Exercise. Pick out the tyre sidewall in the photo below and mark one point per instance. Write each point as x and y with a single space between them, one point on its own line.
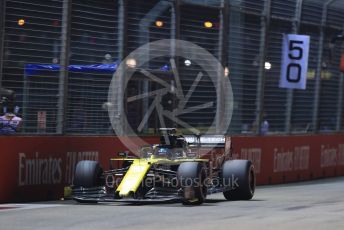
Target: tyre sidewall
239 178
87 174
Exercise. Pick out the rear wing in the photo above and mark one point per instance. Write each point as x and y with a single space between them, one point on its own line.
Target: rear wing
210 142
206 141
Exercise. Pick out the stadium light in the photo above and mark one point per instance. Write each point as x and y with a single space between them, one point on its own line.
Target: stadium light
208 24
226 71
159 23
131 62
21 22
187 62
267 65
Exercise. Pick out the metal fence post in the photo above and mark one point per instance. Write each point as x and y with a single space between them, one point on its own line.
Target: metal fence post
220 99
236 19
225 28
122 28
177 4
290 93
264 33
340 102
2 36
318 69
64 62
173 29
122 43
144 34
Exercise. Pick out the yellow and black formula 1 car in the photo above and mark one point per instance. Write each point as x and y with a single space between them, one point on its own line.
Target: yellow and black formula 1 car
169 171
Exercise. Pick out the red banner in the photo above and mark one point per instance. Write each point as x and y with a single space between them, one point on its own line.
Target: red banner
292 158
37 168
341 67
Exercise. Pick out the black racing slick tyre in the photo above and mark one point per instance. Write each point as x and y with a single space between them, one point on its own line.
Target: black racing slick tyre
192 177
88 174
239 179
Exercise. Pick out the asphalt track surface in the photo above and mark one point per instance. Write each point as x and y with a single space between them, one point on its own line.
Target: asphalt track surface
308 205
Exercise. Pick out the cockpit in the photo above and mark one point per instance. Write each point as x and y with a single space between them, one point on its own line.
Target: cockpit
171 146
162 151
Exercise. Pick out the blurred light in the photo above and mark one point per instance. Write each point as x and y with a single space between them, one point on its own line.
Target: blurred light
55 22
267 65
107 56
187 62
107 105
131 62
208 24
226 71
165 68
55 60
21 22
159 23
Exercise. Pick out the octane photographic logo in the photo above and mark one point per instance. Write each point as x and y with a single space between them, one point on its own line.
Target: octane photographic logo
169 49
230 183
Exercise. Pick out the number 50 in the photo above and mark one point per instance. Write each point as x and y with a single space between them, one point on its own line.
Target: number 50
296 55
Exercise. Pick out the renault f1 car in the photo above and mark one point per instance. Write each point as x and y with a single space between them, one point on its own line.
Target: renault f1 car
169 171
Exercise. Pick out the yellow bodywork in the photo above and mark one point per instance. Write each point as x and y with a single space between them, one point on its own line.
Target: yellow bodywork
138 170
134 176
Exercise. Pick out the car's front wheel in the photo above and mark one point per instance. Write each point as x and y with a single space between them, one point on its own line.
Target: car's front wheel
88 174
191 177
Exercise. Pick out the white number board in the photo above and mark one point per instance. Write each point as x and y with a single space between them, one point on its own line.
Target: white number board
294 61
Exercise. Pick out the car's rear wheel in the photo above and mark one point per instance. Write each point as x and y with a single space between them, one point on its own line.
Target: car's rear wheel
88 174
239 179
191 177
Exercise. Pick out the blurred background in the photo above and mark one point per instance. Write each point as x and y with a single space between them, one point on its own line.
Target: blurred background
59 57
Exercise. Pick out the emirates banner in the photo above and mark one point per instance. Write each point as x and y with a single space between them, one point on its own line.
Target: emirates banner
39 167
294 61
